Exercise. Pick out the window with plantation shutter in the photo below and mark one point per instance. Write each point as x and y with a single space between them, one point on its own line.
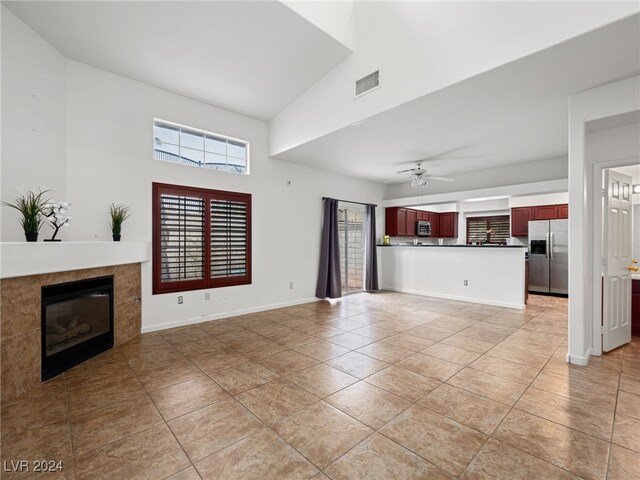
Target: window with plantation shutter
202 238
492 230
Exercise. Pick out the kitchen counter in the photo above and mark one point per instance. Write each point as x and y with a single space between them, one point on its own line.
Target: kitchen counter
491 275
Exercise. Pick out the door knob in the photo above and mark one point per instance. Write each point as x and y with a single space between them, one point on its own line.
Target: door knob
632 268
634 261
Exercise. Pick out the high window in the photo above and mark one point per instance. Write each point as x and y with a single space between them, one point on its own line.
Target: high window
492 230
190 146
201 238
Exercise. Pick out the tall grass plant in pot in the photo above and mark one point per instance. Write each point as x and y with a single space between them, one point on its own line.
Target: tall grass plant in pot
118 213
30 206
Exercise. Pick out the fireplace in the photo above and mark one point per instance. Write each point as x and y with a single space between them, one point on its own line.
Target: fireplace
77 323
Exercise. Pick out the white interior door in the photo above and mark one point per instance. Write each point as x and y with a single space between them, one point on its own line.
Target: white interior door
616 244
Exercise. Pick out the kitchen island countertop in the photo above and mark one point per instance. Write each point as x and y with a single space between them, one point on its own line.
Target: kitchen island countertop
450 246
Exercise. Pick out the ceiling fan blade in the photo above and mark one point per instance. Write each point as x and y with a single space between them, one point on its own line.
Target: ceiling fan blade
396 180
408 170
441 179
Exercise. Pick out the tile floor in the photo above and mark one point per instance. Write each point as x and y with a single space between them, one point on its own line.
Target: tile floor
382 386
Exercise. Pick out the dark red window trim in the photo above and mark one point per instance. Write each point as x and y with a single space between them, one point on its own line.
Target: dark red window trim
206 282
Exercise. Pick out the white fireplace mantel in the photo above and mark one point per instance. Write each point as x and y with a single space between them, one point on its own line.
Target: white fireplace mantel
19 259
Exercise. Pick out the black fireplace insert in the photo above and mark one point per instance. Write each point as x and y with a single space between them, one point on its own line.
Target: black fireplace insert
77 323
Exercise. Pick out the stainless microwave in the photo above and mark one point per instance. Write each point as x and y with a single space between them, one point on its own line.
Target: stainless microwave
423 228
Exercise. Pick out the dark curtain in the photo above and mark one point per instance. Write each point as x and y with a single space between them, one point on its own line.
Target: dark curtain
329 282
370 250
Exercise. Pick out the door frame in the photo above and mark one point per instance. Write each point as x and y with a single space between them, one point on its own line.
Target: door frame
350 206
596 253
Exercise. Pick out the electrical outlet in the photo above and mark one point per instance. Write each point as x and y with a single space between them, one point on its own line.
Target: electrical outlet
207 295
466 283
290 285
180 300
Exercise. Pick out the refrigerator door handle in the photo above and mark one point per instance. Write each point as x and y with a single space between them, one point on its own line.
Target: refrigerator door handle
546 250
551 246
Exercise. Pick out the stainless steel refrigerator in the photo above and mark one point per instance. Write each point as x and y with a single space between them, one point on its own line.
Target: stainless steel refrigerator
549 256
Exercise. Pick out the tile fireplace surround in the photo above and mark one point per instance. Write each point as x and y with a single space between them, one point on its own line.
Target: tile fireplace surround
20 297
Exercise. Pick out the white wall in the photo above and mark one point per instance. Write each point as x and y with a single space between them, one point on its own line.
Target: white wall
334 18
425 46
99 149
111 160
584 276
33 119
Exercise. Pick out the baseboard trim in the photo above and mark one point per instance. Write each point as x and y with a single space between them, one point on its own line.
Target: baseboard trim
219 316
577 360
456 297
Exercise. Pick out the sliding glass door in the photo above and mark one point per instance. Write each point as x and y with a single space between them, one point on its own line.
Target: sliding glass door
351 236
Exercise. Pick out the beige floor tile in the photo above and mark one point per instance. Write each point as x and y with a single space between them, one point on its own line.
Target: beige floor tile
103 392
95 428
186 397
210 429
235 338
293 339
177 372
243 377
626 432
499 461
144 363
404 383
623 464
374 332
287 361
487 332
31 413
450 353
428 332
320 331
350 340
146 342
322 433
275 400
506 369
200 347
630 383
150 454
452 324
188 473
262 345
181 335
467 408
369 404
581 454
467 343
570 412
386 352
322 350
345 324
321 380
602 376
441 441
377 457
523 357
357 364
628 404
594 395
495 388
260 456
432 367
409 342
212 362
51 442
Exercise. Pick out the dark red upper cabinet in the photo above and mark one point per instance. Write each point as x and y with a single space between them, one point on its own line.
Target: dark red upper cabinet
545 212
412 217
448 225
520 221
563 211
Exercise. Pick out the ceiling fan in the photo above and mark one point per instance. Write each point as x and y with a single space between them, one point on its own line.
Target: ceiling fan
419 176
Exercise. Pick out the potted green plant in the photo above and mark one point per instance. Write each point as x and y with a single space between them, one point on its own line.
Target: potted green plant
30 206
119 213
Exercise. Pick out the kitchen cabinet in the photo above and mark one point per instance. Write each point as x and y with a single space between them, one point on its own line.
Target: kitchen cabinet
401 222
563 211
520 221
448 225
412 218
521 216
545 212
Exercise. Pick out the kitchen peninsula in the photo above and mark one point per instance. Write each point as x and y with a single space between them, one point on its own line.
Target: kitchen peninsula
491 275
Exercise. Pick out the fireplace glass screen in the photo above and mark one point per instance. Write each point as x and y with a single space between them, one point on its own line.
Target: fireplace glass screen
77 323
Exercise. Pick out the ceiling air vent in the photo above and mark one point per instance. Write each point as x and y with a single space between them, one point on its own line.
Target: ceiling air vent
368 83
